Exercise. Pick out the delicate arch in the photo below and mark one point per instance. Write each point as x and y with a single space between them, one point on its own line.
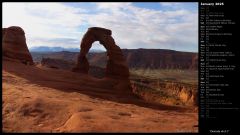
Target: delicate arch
116 64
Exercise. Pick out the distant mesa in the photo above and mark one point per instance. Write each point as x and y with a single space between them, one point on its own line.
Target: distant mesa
161 59
14 45
135 58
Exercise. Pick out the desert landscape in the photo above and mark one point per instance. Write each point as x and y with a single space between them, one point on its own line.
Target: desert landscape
120 90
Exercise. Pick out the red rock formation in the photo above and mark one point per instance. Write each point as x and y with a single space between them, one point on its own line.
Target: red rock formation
14 45
116 68
172 93
94 71
57 63
161 59
116 64
136 58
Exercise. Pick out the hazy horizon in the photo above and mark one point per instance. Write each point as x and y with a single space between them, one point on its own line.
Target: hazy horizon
96 49
151 25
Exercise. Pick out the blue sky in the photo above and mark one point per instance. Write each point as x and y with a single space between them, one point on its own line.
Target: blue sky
159 25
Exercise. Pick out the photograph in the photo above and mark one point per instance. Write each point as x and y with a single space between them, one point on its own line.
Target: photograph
100 67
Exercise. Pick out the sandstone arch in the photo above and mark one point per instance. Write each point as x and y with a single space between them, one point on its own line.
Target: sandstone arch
116 65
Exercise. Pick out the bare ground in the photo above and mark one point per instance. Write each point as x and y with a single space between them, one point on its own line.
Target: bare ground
38 99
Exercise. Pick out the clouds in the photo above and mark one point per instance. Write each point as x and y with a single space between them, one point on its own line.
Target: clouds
55 42
132 26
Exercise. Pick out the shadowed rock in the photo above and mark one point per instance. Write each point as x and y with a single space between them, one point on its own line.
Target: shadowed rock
14 45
